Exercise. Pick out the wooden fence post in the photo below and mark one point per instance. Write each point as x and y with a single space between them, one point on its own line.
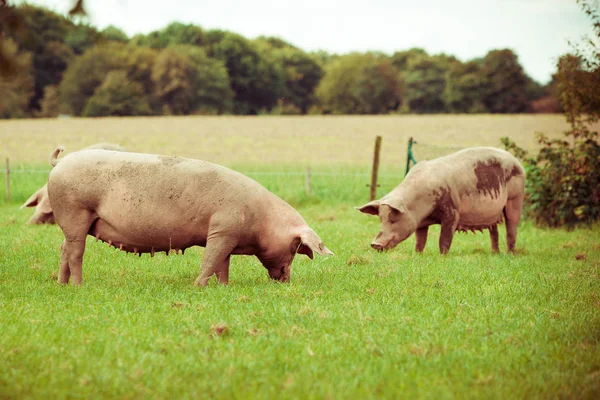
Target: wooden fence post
307 181
375 168
7 181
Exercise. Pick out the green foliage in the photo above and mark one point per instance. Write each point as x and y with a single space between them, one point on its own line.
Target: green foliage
111 32
424 79
50 104
187 81
173 34
82 37
463 93
16 90
505 83
302 73
254 77
87 72
117 96
267 75
43 36
563 183
359 84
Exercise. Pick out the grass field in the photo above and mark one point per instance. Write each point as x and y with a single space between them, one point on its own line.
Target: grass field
360 324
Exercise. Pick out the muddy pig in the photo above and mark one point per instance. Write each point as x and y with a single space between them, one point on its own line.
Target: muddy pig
472 189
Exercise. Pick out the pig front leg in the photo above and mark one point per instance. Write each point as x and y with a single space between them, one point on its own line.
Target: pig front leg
421 238
449 224
216 260
223 271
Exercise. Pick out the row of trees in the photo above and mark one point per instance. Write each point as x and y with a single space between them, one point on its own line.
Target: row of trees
67 67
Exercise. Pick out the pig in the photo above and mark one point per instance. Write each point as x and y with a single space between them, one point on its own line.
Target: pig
473 189
43 211
144 203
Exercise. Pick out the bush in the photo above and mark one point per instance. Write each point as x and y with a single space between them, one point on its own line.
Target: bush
563 181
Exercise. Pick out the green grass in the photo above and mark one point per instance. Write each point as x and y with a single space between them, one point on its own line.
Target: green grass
358 325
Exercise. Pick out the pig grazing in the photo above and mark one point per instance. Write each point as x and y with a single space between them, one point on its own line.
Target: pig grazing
43 211
472 189
144 203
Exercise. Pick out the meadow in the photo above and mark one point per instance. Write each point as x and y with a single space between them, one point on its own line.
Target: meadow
360 324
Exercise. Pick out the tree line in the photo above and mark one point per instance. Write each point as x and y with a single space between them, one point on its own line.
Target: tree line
68 67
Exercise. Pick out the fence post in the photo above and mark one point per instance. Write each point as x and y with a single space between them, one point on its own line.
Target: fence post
409 155
7 181
307 181
375 168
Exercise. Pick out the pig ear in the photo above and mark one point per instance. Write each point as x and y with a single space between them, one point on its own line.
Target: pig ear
311 242
395 203
371 207
33 200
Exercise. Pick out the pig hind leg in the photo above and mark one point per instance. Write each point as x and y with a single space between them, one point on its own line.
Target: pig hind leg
75 227
512 215
494 238
216 260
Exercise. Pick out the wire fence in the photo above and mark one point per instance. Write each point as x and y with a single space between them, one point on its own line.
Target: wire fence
296 186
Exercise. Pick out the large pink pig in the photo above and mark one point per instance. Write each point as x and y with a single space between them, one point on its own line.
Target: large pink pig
144 203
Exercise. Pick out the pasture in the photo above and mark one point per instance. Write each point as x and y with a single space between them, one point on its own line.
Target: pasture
360 324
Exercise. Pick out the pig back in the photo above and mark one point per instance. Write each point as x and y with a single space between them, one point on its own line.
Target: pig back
169 196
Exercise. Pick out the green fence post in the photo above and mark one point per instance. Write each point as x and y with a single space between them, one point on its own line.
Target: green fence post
409 154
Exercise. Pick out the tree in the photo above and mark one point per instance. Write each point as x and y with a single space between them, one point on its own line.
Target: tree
87 72
16 90
464 88
43 36
173 34
81 37
111 32
506 82
188 81
50 104
563 179
359 84
117 96
301 71
400 58
256 80
424 80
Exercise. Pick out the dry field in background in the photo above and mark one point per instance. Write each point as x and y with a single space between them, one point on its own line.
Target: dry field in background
317 141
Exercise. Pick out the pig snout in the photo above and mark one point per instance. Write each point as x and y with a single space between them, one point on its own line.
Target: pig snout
280 274
377 246
383 242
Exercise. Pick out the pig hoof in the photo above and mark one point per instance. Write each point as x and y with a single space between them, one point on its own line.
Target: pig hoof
201 282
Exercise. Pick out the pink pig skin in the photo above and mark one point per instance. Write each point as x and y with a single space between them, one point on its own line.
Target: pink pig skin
143 203
43 211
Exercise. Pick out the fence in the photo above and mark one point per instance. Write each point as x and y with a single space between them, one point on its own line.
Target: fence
296 186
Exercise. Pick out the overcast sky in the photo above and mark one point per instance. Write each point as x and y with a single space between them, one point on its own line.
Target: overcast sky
537 30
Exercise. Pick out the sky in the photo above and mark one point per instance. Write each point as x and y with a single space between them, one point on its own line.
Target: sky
538 31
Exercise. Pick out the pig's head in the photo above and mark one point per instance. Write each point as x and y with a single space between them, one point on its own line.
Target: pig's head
278 256
43 211
397 223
